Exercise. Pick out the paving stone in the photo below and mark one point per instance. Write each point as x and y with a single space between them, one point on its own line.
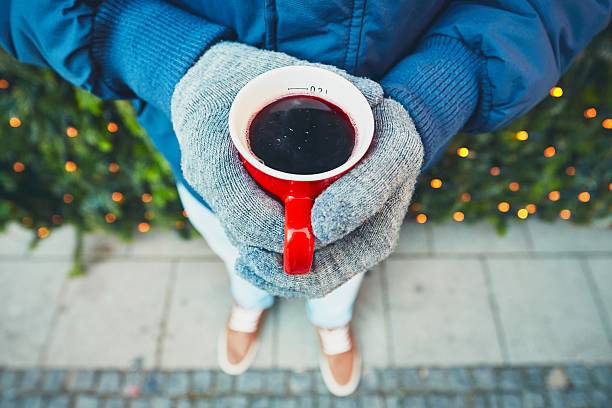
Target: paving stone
251 382
599 399
59 244
29 291
441 401
484 378
183 403
203 403
534 377
81 380
118 302
412 401
140 403
509 379
300 382
31 402
319 385
423 332
392 401
509 401
481 238
8 380
8 401
30 380
306 401
459 379
578 399
59 401
602 375
223 383
261 403
53 380
556 379
556 399
410 380
547 312
276 381
114 403
201 381
198 310
371 401
109 382
568 237
176 384
414 239
297 341
390 380
231 402
154 383
286 402
533 400
578 376
370 380
369 324
85 401
345 402
133 383
160 402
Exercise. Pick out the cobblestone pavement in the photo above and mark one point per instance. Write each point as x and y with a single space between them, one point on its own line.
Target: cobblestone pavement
485 386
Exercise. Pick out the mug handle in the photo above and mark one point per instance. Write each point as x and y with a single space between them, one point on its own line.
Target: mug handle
299 238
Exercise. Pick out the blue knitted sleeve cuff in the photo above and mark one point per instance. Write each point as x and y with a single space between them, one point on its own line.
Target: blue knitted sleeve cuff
439 86
143 47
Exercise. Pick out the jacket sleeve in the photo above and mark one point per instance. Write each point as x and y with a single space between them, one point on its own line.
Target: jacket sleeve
483 63
113 48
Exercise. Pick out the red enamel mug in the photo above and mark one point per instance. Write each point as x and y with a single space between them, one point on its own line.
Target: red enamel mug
298 191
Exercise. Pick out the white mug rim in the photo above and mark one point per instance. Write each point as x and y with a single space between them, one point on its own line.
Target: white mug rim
363 124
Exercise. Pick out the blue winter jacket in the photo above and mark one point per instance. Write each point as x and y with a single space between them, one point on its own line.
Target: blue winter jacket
472 65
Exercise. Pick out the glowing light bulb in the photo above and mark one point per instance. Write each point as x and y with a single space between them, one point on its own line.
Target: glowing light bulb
554 195
112 127
463 152
458 216
522 213
556 92
117 196
565 214
144 227
421 218
590 113
72 132
522 135
503 207
584 197
70 166
14 122
436 183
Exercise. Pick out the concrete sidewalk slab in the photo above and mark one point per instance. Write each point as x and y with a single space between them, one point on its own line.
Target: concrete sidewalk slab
563 236
547 311
29 293
170 245
199 307
111 316
440 313
601 270
481 238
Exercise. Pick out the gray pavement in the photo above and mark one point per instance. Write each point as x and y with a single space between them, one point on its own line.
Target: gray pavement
565 386
451 295
457 316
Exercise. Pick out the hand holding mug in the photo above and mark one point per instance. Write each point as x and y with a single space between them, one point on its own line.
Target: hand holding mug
318 163
211 165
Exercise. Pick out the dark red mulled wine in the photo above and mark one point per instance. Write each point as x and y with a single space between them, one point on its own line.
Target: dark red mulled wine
302 135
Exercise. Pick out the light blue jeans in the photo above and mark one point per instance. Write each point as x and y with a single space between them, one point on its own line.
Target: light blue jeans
331 311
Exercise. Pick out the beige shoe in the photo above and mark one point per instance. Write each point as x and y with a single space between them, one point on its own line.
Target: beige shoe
238 342
340 362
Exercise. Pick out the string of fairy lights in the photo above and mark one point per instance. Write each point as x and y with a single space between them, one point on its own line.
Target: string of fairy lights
514 186
420 217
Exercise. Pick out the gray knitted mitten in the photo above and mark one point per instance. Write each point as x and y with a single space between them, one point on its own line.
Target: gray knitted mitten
200 109
360 214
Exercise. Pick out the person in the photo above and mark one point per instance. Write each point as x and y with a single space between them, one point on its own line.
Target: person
428 70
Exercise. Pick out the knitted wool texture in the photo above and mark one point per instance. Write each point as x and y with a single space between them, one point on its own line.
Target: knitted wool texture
359 216
200 107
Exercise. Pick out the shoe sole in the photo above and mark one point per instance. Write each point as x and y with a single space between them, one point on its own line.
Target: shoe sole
226 366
